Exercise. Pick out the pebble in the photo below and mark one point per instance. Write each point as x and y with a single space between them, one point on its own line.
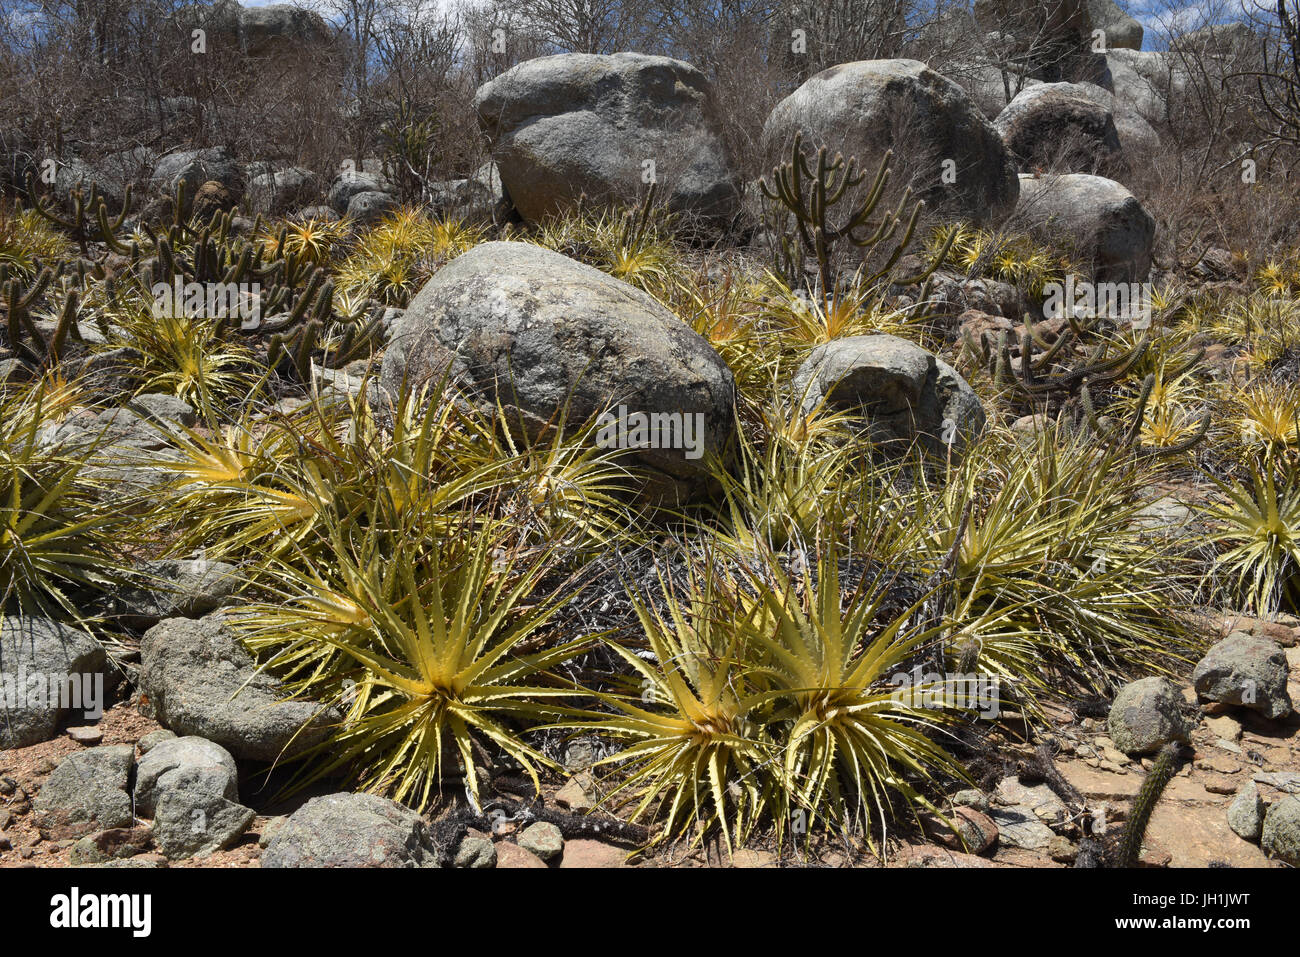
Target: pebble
89 735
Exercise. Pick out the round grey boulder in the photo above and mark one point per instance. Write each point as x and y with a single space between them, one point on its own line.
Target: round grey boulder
201 681
351 830
48 671
351 182
943 146
1280 836
1246 670
157 771
87 792
280 190
1099 221
366 209
1146 715
1057 126
907 394
540 333
1120 31
578 125
197 167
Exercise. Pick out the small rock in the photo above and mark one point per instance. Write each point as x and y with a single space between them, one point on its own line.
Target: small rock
1246 670
972 797
975 831
1062 850
1146 715
86 793
1287 781
166 764
584 853
89 735
543 839
153 739
1220 784
193 818
352 830
1225 728
1246 813
1280 835
476 853
114 844
1020 827
512 856
268 830
575 796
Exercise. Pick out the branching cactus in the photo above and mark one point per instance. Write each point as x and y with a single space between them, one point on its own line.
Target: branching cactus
811 191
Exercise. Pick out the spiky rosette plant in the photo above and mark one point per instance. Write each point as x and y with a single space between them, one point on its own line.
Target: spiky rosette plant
64 529
425 629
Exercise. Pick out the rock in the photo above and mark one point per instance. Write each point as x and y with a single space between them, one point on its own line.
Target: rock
513 857
1050 39
971 797
367 209
1246 813
351 183
51 671
906 393
200 681
87 792
193 817
584 853
323 214
153 739
1138 140
351 830
1280 836
115 844
575 795
1062 849
540 333
1098 220
164 409
1056 126
211 198
197 167
1219 39
280 28
89 735
1146 715
1247 670
584 125
1120 31
279 191
1038 799
159 769
989 86
476 853
543 839
863 109
974 833
171 588
269 830
1020 827
1287 781
1144 80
